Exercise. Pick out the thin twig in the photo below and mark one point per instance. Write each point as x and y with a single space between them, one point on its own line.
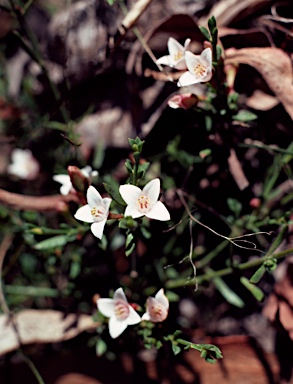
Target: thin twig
231 240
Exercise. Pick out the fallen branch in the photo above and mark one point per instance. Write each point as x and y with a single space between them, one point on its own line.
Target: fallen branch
36 203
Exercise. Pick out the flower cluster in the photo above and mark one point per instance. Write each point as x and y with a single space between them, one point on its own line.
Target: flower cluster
199 67
139 203
121 313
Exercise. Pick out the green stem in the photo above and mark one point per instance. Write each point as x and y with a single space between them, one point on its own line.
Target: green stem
33 368
228 271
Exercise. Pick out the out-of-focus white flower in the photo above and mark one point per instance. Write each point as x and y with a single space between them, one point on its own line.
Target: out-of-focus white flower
23 165
66 182
157 308
144 202
199 68
119 311
175 59
96 211
185 101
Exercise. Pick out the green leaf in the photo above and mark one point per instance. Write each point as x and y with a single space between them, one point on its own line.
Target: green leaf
244 116
212 24
219 53
56 125
235 206
205 32
130 250
254 290
176 349
257 276
227 293
214 34
129 240
278 240
53 242
146 234
114 193
101 347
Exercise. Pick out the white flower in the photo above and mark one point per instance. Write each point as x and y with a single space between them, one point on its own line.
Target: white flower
199 68
121 314
23 165
66 182
157 308
96 211
175 59
144 202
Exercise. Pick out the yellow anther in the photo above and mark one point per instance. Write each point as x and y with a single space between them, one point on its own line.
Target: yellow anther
199 70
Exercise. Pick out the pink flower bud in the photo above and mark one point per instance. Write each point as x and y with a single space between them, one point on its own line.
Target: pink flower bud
185 101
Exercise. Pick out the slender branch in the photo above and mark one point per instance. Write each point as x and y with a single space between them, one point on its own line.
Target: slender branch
228 271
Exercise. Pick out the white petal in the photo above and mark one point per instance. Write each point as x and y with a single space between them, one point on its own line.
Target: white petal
158 212
132 211
120 295
94 199
187 79
106 307
193 60
186 44
107 202
86 171
116 327
174 47
146 316
165 60
181 64
130 193
84 214
97 228
162 299
62 179
152 190
206 55
133 317
65 189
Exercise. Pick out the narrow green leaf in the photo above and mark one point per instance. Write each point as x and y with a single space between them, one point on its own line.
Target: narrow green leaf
129 240
101 347
205 32
257 276
227 293
53 242
254 290
114 193
244 116
176 349
212 24
278 240
130 250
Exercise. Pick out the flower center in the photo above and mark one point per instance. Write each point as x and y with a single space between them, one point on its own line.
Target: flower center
144 204
199 70
98 213
121 310
158 312
178 56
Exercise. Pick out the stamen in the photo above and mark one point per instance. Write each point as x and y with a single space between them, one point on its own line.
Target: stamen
199 70
178 56
143 203
121 310
97 213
